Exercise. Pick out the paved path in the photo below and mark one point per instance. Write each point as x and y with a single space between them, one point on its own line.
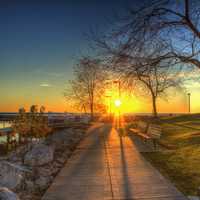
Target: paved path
107 167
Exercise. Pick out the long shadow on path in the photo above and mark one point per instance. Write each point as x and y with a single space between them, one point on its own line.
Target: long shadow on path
106 166
85 175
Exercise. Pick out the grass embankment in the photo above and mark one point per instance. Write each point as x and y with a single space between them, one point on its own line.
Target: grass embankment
182 163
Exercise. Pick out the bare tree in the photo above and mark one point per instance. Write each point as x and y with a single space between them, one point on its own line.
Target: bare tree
87 87
176 22
141 59
149 72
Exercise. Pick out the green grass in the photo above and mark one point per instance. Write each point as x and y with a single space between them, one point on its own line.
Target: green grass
182 164
181 167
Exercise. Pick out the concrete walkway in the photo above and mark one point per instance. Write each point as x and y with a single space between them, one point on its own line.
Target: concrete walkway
107 167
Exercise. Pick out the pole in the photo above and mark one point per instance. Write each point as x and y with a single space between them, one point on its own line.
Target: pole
109 106
110 109
119 89
189 109
119 96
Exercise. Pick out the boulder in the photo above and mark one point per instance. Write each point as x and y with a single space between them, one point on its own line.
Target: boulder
39 155
11 175
6 194
19 153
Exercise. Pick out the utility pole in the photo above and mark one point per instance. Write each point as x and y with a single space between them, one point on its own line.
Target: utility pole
189 106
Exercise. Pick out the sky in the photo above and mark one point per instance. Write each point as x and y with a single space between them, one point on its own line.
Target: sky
40 41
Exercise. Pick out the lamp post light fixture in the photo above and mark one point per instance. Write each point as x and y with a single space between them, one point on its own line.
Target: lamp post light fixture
118 104
189 102
118 101
119 87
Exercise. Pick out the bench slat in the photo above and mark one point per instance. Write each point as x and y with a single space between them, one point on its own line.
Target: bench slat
146 131
135 130
144 135
155 131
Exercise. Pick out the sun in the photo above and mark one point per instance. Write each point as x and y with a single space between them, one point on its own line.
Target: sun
118 103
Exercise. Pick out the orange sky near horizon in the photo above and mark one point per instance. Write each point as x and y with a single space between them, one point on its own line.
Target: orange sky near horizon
40 44
177 104
53 99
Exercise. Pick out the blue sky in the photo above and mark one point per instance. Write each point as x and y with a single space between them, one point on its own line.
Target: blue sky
40 43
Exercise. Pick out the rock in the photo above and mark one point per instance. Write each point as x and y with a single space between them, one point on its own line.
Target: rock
39 155
43 182
59 138
193 197
44 171
61 160
19 153
29 186
64 138
48 170
57 166
11 175
6 194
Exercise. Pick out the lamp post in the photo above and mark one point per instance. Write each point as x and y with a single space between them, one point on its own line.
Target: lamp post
189 108
119 87
109 105
119 96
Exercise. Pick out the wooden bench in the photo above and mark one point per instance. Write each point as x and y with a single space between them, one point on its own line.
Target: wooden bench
154 132
148 132
141 127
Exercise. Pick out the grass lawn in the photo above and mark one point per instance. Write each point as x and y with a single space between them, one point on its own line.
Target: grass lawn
182 164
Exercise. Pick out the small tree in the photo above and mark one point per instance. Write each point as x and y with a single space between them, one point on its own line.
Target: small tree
152 69
87 87
38 123
31 125
156 81
20 124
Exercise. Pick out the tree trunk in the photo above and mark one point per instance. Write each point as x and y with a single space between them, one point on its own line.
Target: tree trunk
155 114
91 111
84 108
92 106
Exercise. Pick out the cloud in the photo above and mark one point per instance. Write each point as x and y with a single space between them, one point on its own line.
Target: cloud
45 85
193 84
55 74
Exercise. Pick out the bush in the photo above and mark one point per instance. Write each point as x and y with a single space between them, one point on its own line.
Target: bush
31 124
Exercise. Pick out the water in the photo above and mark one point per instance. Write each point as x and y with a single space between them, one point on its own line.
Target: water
3 139
4 124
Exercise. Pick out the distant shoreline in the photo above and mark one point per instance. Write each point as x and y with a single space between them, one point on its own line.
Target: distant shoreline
11 115
142 113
